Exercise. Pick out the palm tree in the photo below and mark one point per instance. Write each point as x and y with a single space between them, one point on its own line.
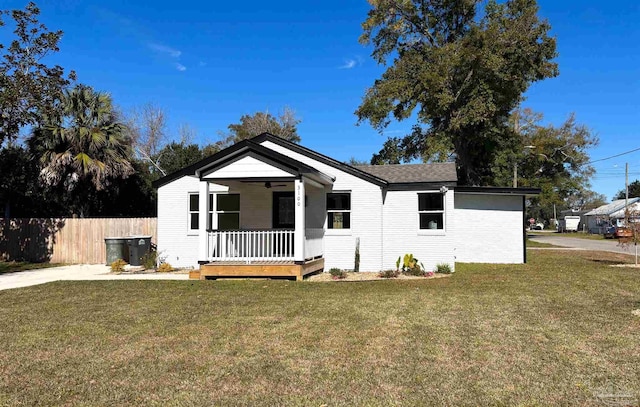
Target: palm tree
85 143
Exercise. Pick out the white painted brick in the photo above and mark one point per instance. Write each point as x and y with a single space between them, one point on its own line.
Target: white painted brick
175 244
488 228
402 234
366 218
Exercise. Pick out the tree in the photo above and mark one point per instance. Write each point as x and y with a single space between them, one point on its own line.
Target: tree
20 195
354 162
175 156
463 69
554 159
85 145
29 89
634 191
146 127
585 200
403 149
285 126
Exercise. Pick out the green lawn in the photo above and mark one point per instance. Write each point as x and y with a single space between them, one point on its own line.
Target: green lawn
581 235
547 333
13 266
533 243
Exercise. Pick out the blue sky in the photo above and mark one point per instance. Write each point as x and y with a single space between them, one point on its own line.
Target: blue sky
208 62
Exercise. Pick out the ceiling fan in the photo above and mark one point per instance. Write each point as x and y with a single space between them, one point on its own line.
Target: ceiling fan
267 184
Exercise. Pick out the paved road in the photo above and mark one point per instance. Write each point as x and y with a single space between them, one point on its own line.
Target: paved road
558 239
76 272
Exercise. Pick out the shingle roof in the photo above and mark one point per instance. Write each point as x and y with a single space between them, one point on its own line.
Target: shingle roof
610 208
404 173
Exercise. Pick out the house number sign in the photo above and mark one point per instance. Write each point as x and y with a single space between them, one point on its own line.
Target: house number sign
298 196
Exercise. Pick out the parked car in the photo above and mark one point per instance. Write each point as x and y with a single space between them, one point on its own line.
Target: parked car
617 232
537 226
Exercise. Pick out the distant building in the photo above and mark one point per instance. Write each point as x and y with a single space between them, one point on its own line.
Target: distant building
611 214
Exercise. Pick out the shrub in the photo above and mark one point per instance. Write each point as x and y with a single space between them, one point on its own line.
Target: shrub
337 274
443 268
164 268
410 265
118 266
356 266
149 260
388 274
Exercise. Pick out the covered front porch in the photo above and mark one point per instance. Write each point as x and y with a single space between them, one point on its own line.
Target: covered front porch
259 217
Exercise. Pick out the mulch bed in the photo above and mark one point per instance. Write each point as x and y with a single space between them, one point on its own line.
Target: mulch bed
368 276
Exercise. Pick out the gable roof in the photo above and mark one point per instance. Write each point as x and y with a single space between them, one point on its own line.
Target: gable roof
611 208
229 153
410 173
320 157
393 175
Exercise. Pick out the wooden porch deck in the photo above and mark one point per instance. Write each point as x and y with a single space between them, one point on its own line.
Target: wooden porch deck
221 269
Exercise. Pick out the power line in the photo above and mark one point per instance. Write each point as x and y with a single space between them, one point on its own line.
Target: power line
614 156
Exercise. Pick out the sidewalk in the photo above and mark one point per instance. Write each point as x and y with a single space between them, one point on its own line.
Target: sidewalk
76 273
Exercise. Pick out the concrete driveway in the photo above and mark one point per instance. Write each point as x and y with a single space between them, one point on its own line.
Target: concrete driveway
565 240
76 272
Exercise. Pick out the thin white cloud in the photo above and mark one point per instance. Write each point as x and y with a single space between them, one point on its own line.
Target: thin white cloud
349 64
180 67
202 63
163 49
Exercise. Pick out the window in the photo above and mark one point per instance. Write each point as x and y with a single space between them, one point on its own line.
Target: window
339 210
194 211
227 211
431 211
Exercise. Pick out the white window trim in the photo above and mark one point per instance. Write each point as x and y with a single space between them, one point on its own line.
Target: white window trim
432 232
190 231
339 232
216 212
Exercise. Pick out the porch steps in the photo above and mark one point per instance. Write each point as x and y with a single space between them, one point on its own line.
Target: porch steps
221 269
194 274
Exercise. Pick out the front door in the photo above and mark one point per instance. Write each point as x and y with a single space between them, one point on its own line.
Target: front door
284 210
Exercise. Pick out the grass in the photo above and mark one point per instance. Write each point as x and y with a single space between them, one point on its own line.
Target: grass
15 266
578 235
533 243
582 235
551 332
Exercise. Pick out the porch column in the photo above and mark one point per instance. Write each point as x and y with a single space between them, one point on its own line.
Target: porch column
298 239
203 238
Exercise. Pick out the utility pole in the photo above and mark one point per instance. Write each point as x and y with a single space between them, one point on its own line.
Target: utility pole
516 128
626 194
626 184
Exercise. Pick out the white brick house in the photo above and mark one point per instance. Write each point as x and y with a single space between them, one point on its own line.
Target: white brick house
270 203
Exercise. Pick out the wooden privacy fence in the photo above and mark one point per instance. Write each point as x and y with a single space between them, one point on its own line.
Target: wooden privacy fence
71 241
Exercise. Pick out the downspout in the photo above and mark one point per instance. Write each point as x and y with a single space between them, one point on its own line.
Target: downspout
524 230
384 194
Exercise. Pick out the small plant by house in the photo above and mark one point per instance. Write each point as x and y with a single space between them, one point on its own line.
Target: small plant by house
388 274
118 266
149 260
443 268
337 274
410 265
164 268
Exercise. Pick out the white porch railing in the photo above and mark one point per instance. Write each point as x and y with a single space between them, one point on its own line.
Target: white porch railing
313 243
250 245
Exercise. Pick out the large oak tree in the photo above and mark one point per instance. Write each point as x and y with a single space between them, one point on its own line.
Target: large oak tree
459 70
